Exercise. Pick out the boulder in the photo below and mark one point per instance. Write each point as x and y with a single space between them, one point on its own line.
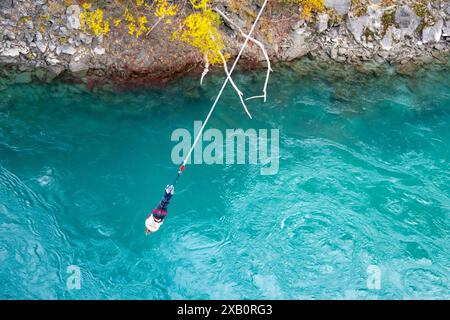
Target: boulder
299 24
40 73
11 52
79 63
446 31
42 46
342 51
407 68
67 49
73 17
23 77
51 46
85 38
298 45
16 50
51 60
407 20
99 50
356 26
375 14
40 43
334 52
322 22
64 31
340 6
433 33
54 71
386 42
9 35
6 3
78 66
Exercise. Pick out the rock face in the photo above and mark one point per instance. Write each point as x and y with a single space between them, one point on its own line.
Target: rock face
67 49
77 66
11 52
446 28
297 44
52 42
407 20
433 33
340 6
99 50
356 26
6 3
386 42
375 15
322 22
73 17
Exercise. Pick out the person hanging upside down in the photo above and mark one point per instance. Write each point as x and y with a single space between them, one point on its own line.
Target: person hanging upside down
155 219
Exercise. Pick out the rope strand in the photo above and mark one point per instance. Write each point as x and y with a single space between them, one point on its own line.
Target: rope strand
221 91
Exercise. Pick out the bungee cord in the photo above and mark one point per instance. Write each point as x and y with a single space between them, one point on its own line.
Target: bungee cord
154 220
228 78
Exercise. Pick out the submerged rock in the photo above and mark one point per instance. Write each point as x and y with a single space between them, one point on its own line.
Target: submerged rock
40 74
55 71
407 69
23 77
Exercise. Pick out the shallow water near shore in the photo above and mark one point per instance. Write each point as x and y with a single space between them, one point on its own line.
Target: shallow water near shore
364 180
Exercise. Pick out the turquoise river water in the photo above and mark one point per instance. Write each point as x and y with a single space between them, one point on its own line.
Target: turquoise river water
359 207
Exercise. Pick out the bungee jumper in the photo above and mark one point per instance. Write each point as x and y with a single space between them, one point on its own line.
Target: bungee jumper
154 221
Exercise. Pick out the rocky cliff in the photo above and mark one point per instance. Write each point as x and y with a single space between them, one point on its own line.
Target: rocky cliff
44 40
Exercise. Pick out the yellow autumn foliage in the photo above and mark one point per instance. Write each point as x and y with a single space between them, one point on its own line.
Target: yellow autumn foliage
200 4
164 9
93 20
136 25
309 6
200 30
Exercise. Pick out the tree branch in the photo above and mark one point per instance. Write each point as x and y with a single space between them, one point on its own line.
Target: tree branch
206 69
263 49
154 26
239 92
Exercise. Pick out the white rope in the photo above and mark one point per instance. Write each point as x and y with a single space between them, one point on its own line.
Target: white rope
224 84
264 51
